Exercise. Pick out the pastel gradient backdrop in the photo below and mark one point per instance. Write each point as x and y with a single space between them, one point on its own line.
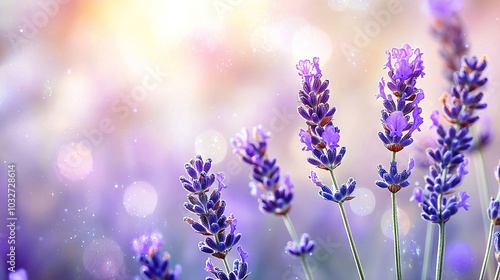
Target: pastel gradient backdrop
102 103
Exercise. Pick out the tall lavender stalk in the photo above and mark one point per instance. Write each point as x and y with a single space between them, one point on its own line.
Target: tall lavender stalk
154 266
437 200
321 139
494 217
400 118
273 195
211 221
497 253
448 29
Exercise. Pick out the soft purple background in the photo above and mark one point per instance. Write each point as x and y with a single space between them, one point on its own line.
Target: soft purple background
220 65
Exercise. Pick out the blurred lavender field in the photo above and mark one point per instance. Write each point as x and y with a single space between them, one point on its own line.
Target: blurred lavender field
103 102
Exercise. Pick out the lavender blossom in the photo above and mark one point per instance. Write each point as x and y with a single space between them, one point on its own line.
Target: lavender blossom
449 30
445 175
304 246
448 158
239 272
393 180
496 243
321 137
344 193
400 118
208 206
459 108
273 194
148 248
494 211
401 114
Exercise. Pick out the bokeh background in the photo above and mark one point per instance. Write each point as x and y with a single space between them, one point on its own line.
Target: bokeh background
103 102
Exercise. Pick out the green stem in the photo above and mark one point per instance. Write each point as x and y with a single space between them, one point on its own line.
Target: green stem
355 255
497 274
440 252
351 242
483 190
334 180
488 251
226 265
395 226
295 238
484 267
429 236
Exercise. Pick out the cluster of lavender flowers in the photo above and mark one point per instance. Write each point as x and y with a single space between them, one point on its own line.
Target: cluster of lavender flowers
400 118
154 266
212 222
322 139
448 169
401 115
273 195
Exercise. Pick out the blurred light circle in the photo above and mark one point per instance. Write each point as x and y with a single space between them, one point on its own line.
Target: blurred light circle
309 42
338 5
211 144
140 199
103 259
74 161
364 203
460 256
284 32
261 39
403 221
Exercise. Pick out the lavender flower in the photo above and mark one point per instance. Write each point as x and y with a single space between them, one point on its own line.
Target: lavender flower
240 268
322 136
304 246
448 29
496 242
148 248
459 108
344 193
400 118
273 195
493 211
449 161
212 222
401 114
393 180
322 139
444 176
